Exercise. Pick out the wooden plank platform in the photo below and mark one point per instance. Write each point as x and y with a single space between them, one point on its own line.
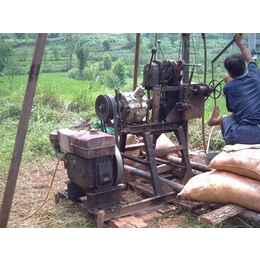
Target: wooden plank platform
140 219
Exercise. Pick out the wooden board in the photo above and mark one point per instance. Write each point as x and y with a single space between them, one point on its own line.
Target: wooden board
128 222
140 219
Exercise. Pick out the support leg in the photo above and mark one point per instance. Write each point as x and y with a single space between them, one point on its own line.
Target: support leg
122 142
157 187
187 171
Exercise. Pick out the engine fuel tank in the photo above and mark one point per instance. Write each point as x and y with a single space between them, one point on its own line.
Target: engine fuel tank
86 144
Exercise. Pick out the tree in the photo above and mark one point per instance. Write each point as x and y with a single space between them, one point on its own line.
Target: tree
130 40
5 54
106 45
107 61
23 54
82 53
69 47
55 52
119 70
111 80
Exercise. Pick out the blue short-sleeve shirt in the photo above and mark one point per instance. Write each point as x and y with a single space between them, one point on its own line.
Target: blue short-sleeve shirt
243 96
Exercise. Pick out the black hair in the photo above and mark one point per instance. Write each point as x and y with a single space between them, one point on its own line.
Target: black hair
235 64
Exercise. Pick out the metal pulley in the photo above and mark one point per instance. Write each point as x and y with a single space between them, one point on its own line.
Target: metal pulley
104 107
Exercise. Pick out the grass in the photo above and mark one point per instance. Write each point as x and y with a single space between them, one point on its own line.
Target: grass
48 113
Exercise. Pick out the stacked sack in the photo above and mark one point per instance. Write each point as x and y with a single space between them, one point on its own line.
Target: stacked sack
235 178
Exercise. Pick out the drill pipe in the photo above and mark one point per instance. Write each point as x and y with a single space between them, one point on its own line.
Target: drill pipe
194 165
175 186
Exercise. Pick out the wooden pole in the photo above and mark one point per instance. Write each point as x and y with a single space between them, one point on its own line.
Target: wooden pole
137 47
22 130
100 219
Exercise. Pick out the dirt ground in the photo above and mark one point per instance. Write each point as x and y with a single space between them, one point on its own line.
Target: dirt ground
31 208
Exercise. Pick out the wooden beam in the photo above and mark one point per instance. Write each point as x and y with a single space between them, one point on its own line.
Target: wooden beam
100 219
217 216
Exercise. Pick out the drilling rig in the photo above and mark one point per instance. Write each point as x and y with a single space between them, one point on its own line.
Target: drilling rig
163 103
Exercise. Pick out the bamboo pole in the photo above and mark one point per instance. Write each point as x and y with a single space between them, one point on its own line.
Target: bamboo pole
22 130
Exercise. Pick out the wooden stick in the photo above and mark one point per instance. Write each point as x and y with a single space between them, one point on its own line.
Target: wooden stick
22 130
100 218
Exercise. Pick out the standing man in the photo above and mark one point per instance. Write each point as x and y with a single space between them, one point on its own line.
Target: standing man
242 92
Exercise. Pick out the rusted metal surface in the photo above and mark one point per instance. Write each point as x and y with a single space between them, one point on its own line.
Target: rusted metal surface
140 205
194 165
147 130
87 144
22 130
153 166
156 106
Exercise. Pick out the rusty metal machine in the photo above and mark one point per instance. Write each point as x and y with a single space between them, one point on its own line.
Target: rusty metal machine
94 166
163 103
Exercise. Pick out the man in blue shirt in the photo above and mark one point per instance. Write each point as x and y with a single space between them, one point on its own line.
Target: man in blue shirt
242 93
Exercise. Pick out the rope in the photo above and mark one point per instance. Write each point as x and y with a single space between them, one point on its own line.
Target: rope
47 195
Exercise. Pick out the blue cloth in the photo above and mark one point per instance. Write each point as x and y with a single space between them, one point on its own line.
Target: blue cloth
234 133
243 100
243 96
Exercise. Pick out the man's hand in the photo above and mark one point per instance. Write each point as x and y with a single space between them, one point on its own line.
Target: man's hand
244 51
238 38
228 78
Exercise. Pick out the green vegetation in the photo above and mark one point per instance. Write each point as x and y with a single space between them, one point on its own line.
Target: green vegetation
76 68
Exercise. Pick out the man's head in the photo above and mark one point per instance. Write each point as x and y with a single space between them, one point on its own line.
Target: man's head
235 65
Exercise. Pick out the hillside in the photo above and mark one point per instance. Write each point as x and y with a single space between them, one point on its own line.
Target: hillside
60 49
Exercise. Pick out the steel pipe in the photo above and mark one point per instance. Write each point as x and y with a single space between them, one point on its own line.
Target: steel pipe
137 47
194 165
175 186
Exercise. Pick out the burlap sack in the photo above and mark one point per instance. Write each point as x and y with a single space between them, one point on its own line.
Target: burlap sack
245 162
163 142
132 139
223 187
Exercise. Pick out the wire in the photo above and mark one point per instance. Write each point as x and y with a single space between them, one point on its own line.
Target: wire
195 56
47 195
179 54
